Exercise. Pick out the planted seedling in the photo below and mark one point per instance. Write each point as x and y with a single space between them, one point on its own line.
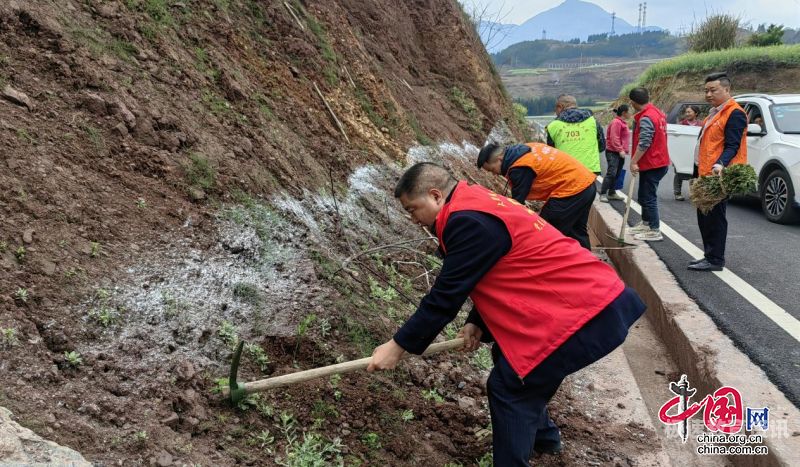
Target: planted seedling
73 359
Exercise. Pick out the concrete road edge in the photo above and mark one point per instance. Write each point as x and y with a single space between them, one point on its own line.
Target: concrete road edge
707 356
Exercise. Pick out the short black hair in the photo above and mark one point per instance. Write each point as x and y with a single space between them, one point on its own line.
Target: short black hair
485 155
421 177
695 108
639 95
621 110
721 76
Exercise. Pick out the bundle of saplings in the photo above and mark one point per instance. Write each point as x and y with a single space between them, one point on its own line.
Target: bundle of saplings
707 191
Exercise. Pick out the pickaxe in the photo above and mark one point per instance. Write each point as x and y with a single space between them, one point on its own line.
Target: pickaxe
236 392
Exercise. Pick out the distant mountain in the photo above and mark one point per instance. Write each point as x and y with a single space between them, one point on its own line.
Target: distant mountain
569 20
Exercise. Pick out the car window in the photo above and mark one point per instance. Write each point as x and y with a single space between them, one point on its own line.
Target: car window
681 113
754 114
787 118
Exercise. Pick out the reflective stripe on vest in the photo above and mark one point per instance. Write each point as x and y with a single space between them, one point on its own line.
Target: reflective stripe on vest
712 141
579 140
543 290
558 175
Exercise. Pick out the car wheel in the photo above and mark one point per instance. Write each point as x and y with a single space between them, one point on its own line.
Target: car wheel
777 195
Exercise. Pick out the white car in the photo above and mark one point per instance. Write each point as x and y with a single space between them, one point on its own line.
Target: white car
773 149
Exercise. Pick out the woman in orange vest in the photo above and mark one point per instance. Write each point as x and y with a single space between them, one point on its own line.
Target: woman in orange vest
549 306
539 172
723 141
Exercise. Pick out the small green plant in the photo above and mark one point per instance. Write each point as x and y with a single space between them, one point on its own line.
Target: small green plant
104 315
433 395
227 333
371 440
9 336
264 440
482 358
485 461
264 408
172 306
313 451
259 355
220 384
204 64
218 105
422 138
141 203
199 172
324 327
73 358
377 292
95 249
451 330
247 293
23 135
20 254
21 295
305 324
3 246
468 106
407 415
140 437
95 137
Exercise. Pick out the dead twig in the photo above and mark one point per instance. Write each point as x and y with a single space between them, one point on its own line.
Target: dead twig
398 245
349 78
330 110
294 15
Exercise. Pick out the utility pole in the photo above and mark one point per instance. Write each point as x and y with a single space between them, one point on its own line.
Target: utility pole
644 17
639 21
613 19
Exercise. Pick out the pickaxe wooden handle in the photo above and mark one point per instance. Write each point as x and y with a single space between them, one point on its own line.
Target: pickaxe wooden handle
238 391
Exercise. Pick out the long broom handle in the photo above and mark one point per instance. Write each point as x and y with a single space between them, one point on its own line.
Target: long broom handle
339 368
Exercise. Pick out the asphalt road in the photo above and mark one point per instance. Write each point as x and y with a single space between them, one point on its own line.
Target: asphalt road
762 253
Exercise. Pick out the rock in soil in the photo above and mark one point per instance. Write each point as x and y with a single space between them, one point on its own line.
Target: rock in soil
21 446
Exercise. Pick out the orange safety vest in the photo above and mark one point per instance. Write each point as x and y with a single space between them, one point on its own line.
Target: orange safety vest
543 290
558 175
712 140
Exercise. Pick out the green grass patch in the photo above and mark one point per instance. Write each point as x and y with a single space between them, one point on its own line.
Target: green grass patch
779 55
199 171
466 104
422 138
526 71
94 40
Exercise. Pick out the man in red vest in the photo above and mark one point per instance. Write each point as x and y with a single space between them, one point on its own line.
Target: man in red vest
723 141
650 160
540 172
549 305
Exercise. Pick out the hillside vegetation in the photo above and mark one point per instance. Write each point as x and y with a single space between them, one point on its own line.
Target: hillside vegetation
772 69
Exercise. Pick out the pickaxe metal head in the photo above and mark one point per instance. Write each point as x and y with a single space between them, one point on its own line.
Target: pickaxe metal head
237 393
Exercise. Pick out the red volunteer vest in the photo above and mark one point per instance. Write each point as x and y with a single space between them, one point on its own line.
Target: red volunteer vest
543 290
657 154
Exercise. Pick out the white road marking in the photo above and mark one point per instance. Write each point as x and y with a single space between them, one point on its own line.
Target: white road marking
766 306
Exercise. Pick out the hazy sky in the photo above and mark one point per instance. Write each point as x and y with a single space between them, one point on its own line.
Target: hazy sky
670 14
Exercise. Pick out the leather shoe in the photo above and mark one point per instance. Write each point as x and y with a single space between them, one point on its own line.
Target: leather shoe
547 447
697 261
704 266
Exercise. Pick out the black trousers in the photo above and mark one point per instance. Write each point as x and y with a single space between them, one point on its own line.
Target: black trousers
714 231
570 215
615 164
519 406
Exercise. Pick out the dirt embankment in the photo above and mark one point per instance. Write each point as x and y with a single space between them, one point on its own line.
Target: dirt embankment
172 182
745 78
